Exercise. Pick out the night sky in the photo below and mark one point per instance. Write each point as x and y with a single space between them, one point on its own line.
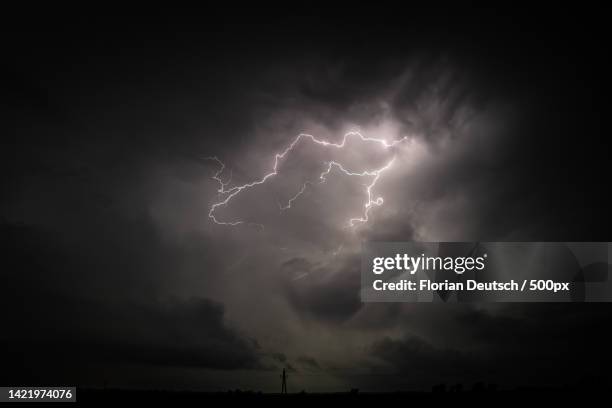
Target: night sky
114 275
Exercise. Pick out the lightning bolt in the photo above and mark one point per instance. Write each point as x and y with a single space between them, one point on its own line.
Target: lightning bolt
228 193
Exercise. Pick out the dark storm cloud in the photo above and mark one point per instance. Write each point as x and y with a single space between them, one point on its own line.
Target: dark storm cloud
105 194
530 344
489 193
480 178
189 334
308 363
330 295
65 313
412 355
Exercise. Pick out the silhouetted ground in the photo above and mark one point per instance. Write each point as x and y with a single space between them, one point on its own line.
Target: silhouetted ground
485 397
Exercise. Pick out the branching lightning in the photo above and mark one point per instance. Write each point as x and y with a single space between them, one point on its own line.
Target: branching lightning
228 193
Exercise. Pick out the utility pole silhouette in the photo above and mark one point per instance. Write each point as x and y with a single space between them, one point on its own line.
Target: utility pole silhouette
284 382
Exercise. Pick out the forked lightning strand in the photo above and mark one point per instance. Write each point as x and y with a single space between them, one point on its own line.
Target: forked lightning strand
231 192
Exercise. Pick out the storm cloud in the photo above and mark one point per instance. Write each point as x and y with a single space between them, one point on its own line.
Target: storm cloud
116 273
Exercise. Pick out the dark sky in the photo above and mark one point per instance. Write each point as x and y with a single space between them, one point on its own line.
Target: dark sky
113 273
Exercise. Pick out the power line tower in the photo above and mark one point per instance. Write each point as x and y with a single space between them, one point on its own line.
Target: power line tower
284 382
